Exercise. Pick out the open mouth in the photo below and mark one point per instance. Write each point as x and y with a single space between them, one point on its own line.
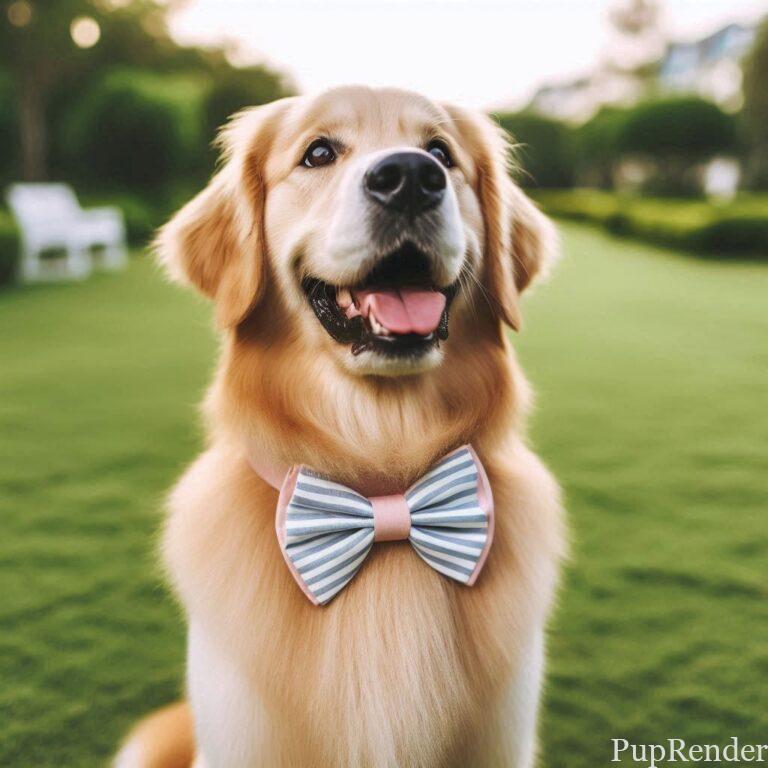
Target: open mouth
397 310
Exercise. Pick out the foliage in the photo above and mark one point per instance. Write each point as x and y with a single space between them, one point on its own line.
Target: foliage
597 146
650 411
50 72
755 111
233 89
150 133
543 149
685 127
136 130
9 248
736 229
141 220
142 216
8 129
41 55
674 136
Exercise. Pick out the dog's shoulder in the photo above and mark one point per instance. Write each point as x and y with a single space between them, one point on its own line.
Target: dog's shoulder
219 512
531 535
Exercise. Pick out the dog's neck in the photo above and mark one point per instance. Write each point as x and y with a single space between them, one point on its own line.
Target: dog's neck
286 407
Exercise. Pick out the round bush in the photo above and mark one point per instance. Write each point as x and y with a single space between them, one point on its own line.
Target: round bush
597 148
544 149
137 131
688 128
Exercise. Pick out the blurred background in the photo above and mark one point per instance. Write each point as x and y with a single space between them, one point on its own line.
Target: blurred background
640 125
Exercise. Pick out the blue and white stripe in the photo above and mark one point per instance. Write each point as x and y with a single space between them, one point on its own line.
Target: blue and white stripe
329 528
449 527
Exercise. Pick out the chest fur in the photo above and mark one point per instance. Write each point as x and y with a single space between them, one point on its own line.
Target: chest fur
403 667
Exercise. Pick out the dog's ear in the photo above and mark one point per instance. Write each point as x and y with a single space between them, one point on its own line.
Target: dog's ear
520 241
216 241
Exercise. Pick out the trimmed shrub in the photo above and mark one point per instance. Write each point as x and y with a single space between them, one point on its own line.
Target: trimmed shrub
142 218
586 205
736 229
737 233
137 131
544 149
597 147
688 127
8 129
676 136
9 248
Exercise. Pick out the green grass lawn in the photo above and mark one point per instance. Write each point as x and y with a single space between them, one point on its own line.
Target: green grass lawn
651 377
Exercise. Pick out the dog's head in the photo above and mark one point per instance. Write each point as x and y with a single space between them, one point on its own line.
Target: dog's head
370 224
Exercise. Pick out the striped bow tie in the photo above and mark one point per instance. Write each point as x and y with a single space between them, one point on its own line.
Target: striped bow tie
326 530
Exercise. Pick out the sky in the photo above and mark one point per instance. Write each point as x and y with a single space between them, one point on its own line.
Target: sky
479 53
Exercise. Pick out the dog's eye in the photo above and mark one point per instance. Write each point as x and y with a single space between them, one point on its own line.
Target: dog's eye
439 150
319 153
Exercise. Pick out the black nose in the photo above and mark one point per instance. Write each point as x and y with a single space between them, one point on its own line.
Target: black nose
406 182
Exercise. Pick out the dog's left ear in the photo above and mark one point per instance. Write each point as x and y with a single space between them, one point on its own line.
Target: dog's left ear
520 241
216 241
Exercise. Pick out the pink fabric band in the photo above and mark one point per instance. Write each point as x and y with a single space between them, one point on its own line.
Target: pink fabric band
391 518
270 473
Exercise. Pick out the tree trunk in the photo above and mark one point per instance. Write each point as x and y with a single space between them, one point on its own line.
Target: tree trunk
32 127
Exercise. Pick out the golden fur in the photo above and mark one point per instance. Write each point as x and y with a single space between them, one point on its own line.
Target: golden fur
404 667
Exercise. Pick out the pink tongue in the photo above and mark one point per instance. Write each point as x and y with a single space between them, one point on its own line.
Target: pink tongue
401 310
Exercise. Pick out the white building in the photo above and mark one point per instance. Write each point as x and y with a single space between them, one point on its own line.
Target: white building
710 67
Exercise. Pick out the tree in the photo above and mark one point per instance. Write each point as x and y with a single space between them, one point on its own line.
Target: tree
55 50
42 45
755 114
687 127
140 131
676 135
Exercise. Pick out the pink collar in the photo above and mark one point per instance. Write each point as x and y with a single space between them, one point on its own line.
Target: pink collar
270 472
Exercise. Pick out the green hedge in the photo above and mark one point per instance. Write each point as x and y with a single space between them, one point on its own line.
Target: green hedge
735 229
8 129
142 217
543 149
9 248
136 131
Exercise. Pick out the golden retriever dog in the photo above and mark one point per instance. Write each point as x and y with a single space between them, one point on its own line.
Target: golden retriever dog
364 250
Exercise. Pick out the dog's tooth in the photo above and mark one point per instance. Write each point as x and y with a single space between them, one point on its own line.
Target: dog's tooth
344 298
377 327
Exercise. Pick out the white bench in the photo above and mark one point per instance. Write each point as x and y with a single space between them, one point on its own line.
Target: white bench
51 219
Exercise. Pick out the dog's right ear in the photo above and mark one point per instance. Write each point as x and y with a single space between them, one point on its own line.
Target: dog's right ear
216 241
